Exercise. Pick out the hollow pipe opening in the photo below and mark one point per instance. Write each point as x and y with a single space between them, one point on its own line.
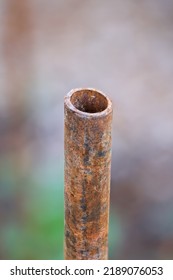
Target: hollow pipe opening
89 101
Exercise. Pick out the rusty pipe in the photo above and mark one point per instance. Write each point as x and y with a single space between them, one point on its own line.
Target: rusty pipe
87 126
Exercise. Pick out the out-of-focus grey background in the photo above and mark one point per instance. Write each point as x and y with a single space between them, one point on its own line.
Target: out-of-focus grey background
124 48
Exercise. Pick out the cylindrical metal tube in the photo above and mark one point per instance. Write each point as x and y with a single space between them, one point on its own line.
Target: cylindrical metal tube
88 120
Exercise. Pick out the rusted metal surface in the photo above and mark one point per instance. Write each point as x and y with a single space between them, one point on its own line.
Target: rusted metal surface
88 119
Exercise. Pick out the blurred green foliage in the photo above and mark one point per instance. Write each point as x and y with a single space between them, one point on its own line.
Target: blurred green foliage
115 235
37 231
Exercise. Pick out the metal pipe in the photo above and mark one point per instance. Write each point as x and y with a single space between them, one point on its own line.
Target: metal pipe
88 120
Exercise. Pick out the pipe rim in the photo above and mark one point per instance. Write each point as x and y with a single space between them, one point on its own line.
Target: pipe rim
70 105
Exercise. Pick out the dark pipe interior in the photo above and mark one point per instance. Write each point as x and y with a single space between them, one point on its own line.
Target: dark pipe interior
89 101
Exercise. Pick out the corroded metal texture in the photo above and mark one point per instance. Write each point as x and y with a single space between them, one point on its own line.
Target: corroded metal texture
88 119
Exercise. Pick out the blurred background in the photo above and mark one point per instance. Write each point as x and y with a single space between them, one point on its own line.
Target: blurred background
125 49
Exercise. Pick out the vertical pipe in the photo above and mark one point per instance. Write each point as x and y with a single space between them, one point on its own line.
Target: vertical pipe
88 119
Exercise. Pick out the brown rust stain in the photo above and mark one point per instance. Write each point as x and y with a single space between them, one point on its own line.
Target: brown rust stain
88 120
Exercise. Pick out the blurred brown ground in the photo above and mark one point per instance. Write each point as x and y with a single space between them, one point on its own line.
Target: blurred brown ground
124 48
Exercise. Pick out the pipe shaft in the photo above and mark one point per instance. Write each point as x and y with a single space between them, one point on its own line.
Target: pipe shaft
88 120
